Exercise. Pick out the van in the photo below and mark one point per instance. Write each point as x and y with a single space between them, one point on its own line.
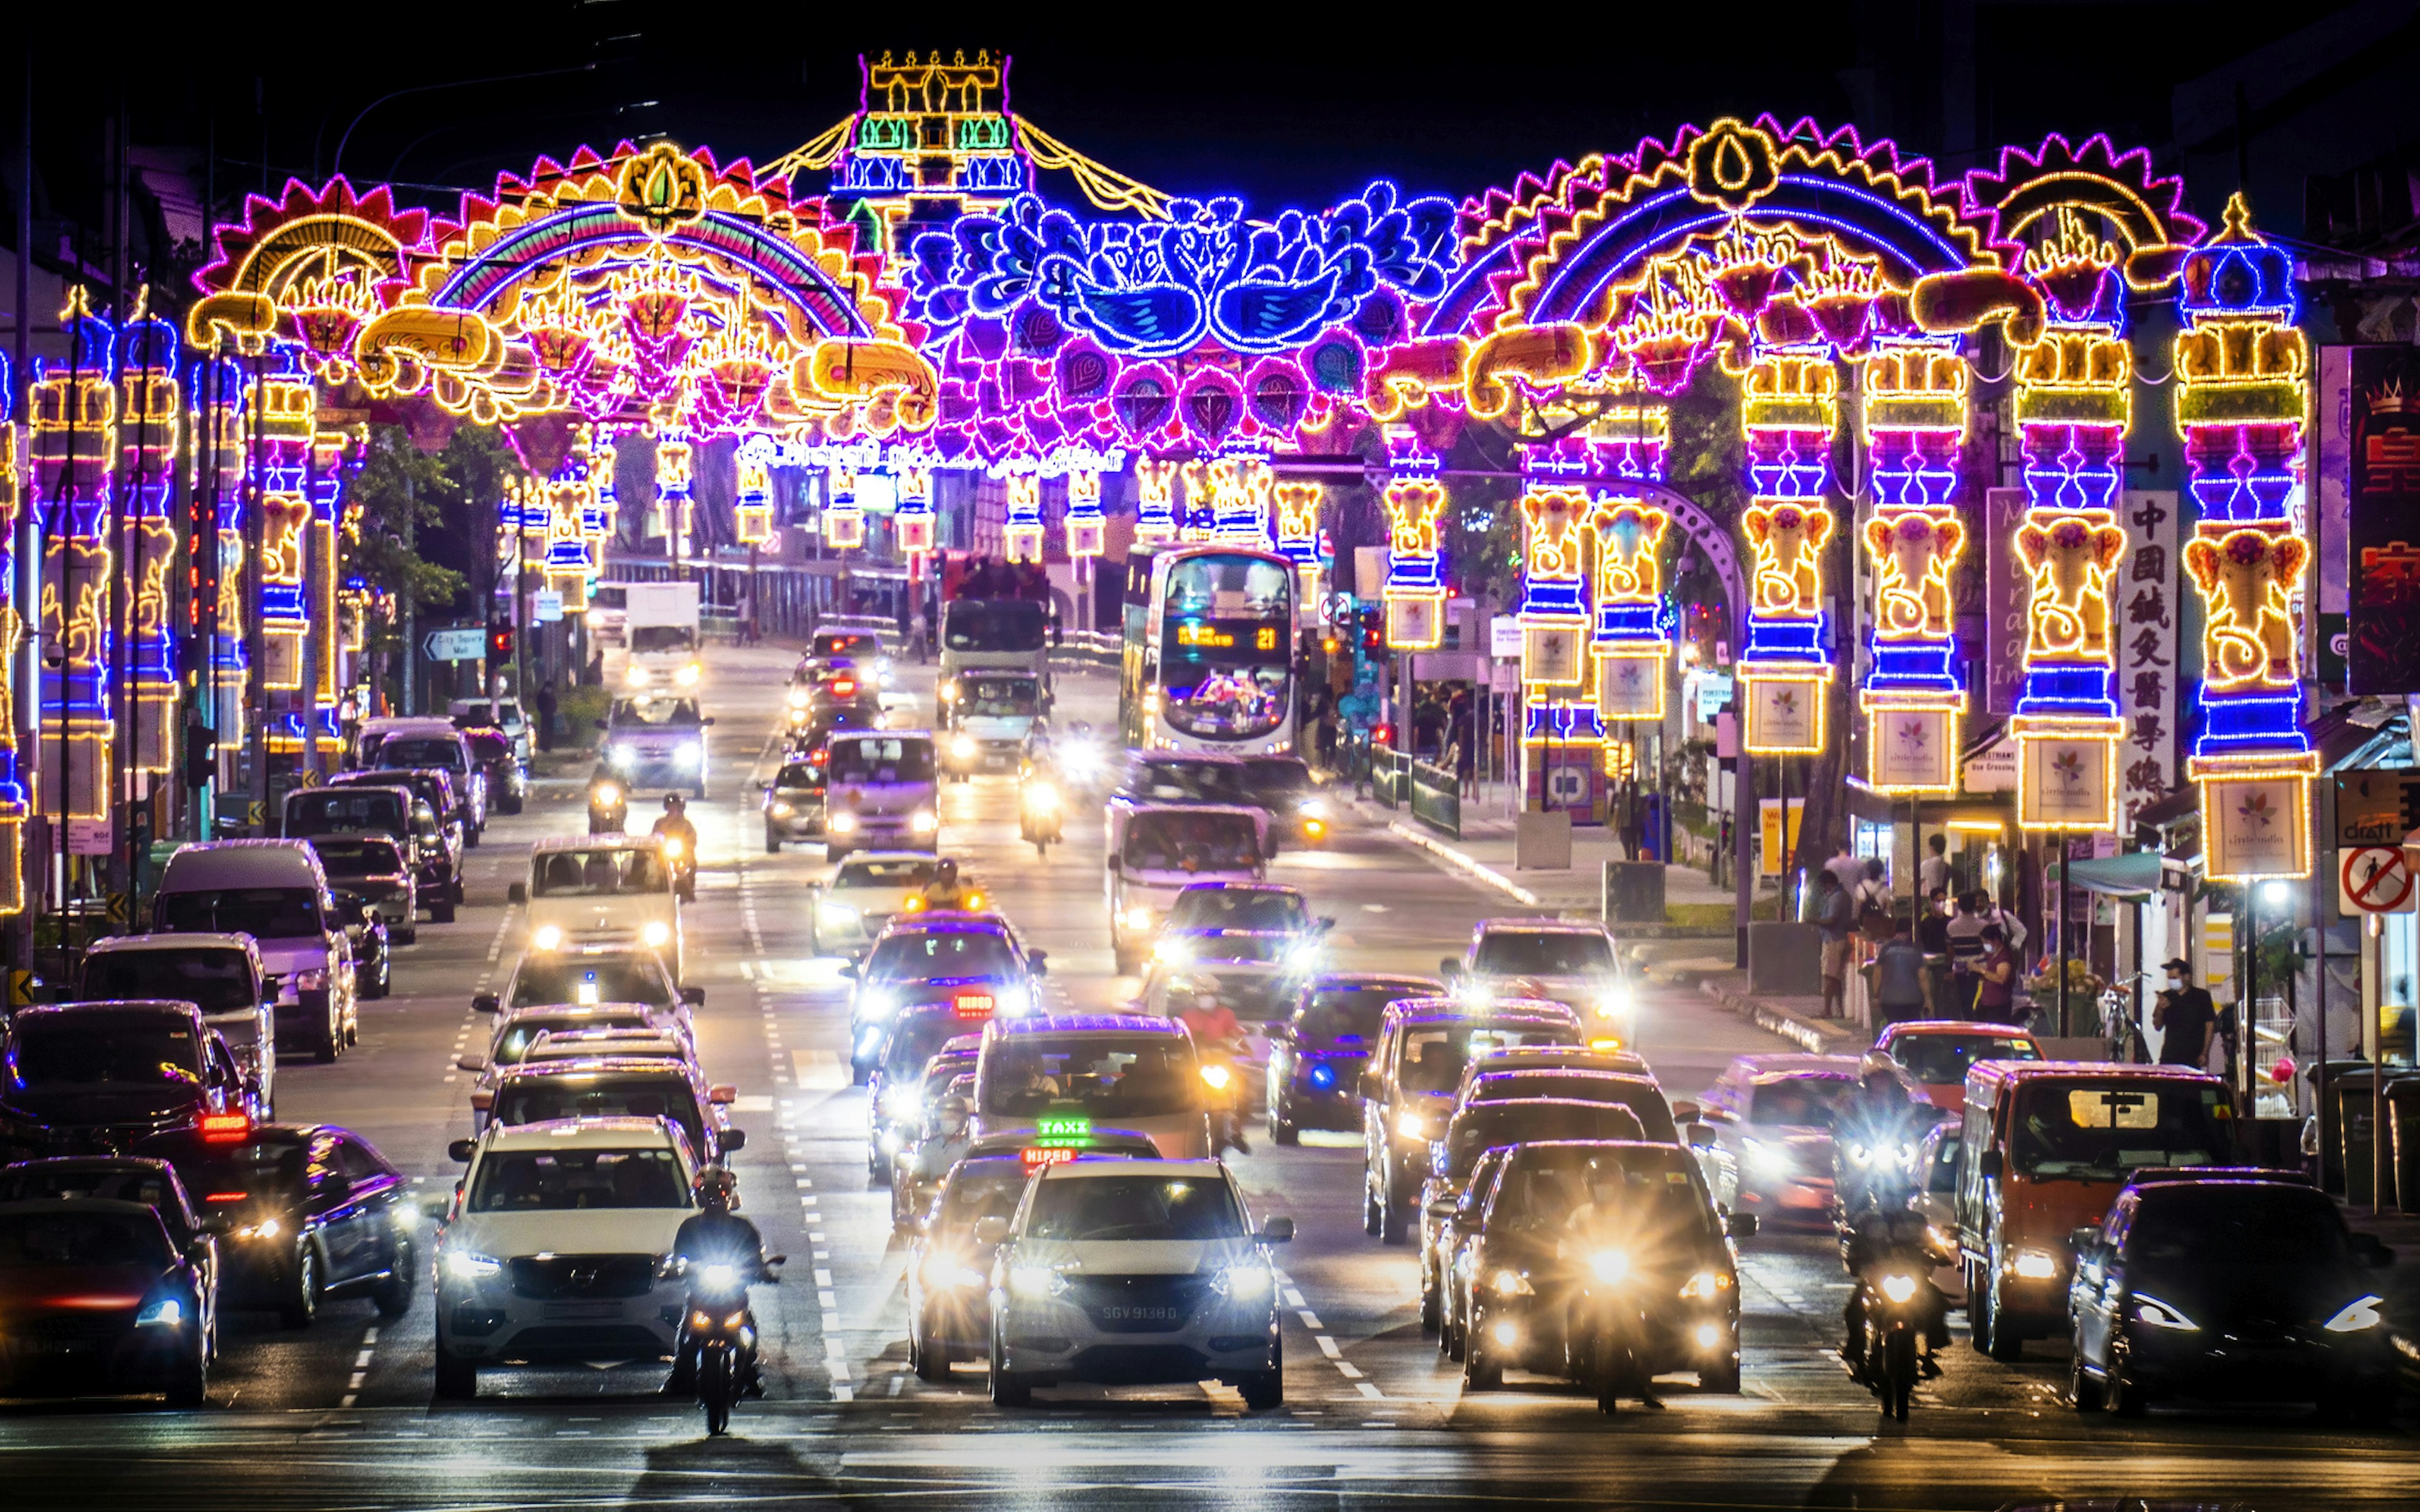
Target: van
219 974
881 793
2046 1148
1156 851
589 891
274 891
1099 1071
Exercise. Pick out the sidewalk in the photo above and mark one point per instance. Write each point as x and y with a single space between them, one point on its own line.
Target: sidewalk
1799 1020
1485 852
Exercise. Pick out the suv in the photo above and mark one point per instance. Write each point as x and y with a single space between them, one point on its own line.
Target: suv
219 974
616 1086
551 1249
1134 1271
1407 1090
1571 962
434 744
589 890
274 891
99 1078
657 743
436 787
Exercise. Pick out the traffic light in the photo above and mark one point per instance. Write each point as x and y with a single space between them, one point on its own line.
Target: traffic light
1374 631
500 641
201 755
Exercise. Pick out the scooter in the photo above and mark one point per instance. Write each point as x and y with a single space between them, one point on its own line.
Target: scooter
609 805
1605 1334
720 1341
683 861
1039 812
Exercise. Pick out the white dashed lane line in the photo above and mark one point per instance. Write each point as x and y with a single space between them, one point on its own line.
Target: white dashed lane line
361 1366
1325 1341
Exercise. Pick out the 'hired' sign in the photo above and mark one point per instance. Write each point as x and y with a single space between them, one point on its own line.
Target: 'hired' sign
2377 808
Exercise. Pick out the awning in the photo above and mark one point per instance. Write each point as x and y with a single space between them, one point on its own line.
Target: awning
2136 874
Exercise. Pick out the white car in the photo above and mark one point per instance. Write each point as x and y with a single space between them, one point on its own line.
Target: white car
593 890
551 1251
1571 962
849 907
1133 1272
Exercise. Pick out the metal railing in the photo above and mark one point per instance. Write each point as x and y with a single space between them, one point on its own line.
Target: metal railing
1390 776
1436 798
1093 647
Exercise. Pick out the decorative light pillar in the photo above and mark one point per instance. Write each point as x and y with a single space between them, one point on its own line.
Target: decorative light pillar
675 461
1562 736
1297 521
843 522
752 514
1021 535
1633 625
1155 503
2241 391
911 520
150 425
74 448
2072 410
1914 699
14 797
1789 407
1240 487
1086 525
1415 588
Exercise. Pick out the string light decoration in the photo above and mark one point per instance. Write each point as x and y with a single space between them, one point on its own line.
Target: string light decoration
15 800
1155 522
73 453
1789 407
2242 394
1415 587
911 519
1297 530
1087 527
151 413
1633 624
218 389
1913 697
1240 487
843 521
752 512
1021 537
1563 735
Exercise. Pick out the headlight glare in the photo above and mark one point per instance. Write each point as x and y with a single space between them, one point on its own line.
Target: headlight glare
1899 1287
2036 1265
462 1265
165 1313
922 823
1609 1264
2157 1314
1510 1283
546 937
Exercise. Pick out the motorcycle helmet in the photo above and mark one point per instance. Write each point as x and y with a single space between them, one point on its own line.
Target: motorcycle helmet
718 1188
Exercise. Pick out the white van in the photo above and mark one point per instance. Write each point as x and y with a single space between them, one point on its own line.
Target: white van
219 974
589 891
1099 1071
1156 851
274 891
881 793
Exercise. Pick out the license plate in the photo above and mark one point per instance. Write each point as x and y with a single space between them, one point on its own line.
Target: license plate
1142 1315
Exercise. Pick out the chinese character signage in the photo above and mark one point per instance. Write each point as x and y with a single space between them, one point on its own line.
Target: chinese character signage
2147 651
2004 601
2383 527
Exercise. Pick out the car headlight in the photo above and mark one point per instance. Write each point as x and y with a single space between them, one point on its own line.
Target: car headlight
1898 1289
266 1228
922 821
1706 1286
1411 1125
2159 1314
2036 1265
948 690
945 1270
165 1313
962 746
546 937
2356 1316
836 914
1609 1264
638 676
690 756
1243 1283
874 1003
782 809
842 824
1035 1281
1768 1159
1614 1002
462 1265
1510 1284
1138 918
656 933
688 674
1172 950
899 1102
798 698
622 753
315 980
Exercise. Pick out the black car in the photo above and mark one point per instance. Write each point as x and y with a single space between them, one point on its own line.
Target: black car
2229 1286
434 786
149 1181
507 778
99 1078
304 1213
1316 1055
98 1298
378 869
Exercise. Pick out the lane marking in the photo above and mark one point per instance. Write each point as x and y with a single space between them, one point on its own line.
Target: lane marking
1327 1346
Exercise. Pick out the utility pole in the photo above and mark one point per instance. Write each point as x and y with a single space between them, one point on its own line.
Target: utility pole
26 588
411 600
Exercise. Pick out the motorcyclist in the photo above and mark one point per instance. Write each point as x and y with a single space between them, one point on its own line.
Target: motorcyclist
944 1143
716 1236
675 824
1876 1236
945 892
1217 1036
1600 1221
1874 1133
609 801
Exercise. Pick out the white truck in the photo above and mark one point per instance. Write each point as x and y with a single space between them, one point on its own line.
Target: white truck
661 637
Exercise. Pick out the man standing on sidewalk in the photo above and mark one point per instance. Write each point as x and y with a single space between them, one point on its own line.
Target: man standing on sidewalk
1833 916
1899 978
546 707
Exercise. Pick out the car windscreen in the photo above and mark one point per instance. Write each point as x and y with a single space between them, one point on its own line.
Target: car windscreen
1109 1209
1237 908
928 954
1435 1055
607 872
981 1189
263 913
1351 1015
998 698
992 624
1109 1077
81 1239
1176 839
1804 1102
574 980
215 978
446 753
801 776
600 1095
1475 1128
104 1050
1654 1115
1944 1057
1271 775
343 813
1635 1193
2236 1223
882 758
655 713
363 858
884 872
1546 953
662 637
560 1181
2100 1129
512 1044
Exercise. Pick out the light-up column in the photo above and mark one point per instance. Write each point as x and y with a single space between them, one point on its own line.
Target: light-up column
1789 407
1240 488
1298 512
150 422
843 522
280 432
1562 737
675 464
1086 526
15 796
1415 588
1915 420
751 513
2241 391
1021 537
913 520
1155 503
74 450
1630 625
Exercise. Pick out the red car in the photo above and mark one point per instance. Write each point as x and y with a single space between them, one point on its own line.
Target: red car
1934 1054
95 1299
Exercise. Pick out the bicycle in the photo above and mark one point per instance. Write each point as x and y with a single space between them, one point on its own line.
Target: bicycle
2119 1027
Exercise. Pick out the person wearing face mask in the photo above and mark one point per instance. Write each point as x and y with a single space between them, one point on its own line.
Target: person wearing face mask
2185 1016
918 1170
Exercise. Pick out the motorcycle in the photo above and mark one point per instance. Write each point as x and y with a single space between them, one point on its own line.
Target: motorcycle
720 1340
682 857
609 805
1221 1076
1039 812
1894 1292
1604 1333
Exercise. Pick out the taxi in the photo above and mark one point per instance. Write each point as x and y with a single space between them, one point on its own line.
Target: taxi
1936 1054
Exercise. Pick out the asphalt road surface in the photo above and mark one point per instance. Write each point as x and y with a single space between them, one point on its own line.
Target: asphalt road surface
340 1416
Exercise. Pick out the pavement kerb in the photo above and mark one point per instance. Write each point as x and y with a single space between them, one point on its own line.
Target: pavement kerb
1461 862
1816 1037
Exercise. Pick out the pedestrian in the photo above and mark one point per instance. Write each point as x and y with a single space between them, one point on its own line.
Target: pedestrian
1934 877
546 707
1964 932
1996 979
1831 920
2011 929
1899 978
2185 1017
1846 865
1932 938
1873 891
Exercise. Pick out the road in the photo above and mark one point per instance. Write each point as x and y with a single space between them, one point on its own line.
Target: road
340 1416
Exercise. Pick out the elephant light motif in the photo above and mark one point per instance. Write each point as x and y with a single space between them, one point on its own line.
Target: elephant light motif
2071 559
2247 578
1630 539
1913 550
1786 582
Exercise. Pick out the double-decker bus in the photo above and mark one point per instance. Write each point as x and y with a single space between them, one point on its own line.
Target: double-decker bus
1209 650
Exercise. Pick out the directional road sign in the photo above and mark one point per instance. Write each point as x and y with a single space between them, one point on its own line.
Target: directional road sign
467 643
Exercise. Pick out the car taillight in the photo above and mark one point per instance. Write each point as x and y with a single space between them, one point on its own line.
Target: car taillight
227 1196
972 1005
221 1128
843 688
